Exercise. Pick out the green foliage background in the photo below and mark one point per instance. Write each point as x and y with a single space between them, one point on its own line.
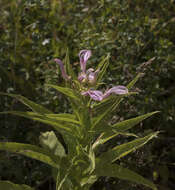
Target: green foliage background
33 32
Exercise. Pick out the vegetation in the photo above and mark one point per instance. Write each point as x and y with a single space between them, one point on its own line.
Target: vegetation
139 35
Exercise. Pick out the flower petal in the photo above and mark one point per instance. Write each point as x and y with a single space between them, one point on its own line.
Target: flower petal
84 55
120 90
92 76
63 72
94 94
82 77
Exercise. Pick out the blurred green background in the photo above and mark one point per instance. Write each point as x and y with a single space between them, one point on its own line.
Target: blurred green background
33 32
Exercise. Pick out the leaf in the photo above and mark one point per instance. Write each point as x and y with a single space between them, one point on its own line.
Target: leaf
31 151
105 107
7 185
103 65
91 157
124 149
69 66
63 117
50 142
32 105
106 112
104 137
132 83
88 180
115 170
128 124
43 119
67 91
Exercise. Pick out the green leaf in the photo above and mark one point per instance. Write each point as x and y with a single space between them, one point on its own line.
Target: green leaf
31 151
132 83
108 105
50 142
104 137
67 91
68 66
128 124
91 157
103 65
63 117
32 105
124 149
102 116
43 119
7 185
115 170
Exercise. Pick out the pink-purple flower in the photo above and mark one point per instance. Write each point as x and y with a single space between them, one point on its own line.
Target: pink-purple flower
97 95
94 94
90 76
84 55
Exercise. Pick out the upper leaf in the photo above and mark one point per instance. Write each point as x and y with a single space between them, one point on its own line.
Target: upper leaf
124 149
103 65
59 126
127 124
67 91
32 105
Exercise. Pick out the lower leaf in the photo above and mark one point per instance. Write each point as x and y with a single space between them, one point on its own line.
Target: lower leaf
115 170
7 185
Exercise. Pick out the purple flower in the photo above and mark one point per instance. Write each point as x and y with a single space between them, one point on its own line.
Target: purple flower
94 94
120 90
82 77
99 96
92 76
84 55
63 72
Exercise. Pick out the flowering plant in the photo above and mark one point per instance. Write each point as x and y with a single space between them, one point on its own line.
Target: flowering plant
79 163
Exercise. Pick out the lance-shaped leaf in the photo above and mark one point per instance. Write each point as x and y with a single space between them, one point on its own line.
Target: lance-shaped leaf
70 118
67 91
115 170
103 65
108 135
32 105
30 151
128 124
43 119
7 185
124 149
132 83
69 66
103 115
